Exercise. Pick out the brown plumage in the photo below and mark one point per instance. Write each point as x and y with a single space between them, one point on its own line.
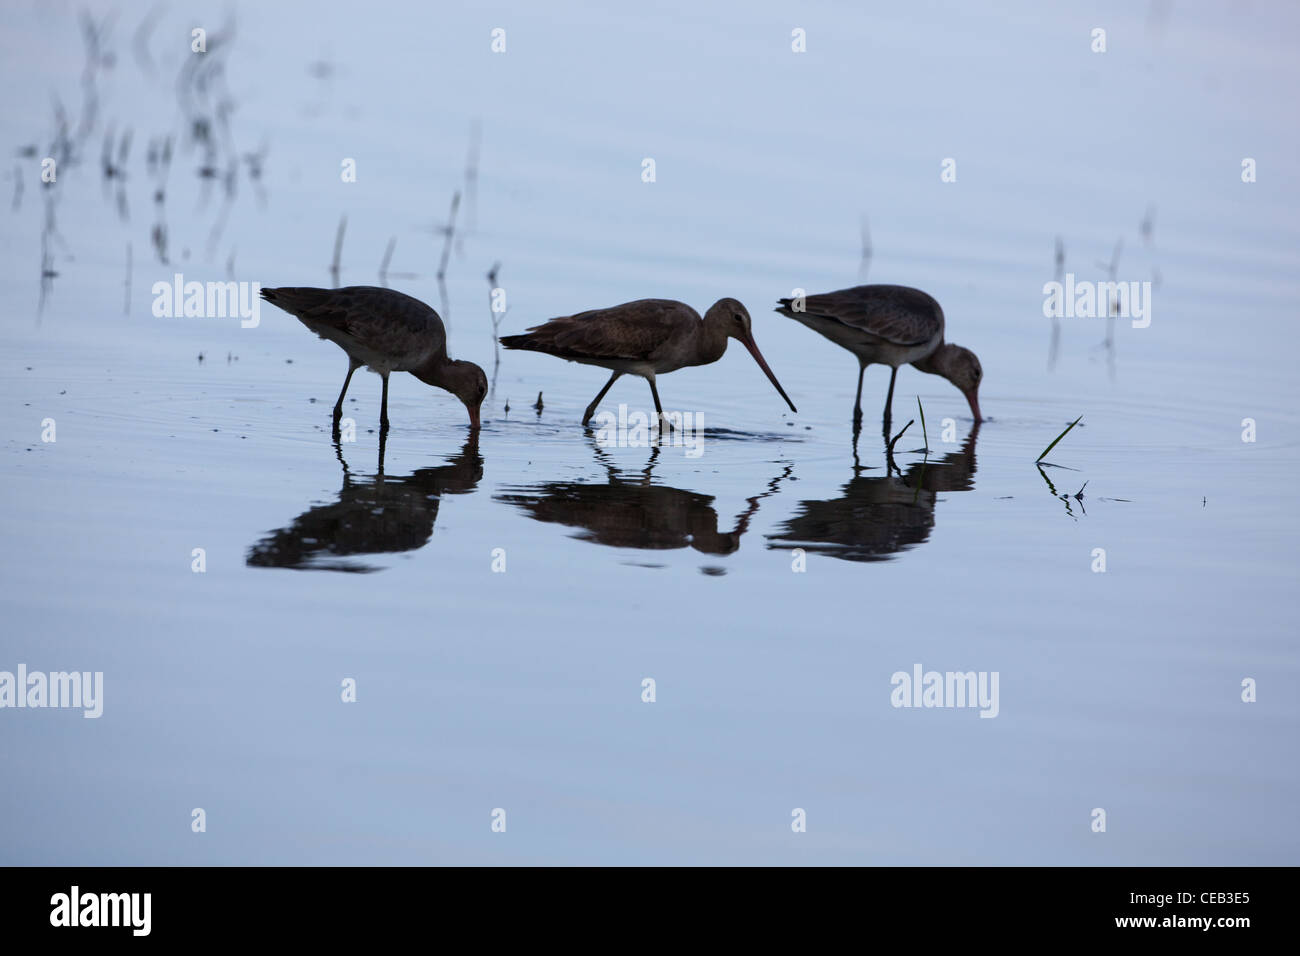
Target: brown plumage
647 337
889 325
636 331
386 331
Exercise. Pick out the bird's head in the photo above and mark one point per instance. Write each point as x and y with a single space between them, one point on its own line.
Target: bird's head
733 318
467 382
960 366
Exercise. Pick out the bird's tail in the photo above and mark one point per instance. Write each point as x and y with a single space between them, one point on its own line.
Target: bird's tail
522 341
785 307
298 301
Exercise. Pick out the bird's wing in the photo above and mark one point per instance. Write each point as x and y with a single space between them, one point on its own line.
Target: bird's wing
634 331
382 320
896 314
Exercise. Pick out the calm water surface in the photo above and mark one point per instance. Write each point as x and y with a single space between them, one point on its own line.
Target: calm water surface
522 689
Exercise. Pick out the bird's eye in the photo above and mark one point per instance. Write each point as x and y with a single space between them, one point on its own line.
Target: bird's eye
740 318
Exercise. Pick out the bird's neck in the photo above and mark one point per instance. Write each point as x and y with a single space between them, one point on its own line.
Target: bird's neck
437 371
938 362
712 341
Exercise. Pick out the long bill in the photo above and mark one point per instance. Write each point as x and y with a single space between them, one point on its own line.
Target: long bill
972 399
758 357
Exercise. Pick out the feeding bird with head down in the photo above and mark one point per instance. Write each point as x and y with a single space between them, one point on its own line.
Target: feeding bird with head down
386 331
889 325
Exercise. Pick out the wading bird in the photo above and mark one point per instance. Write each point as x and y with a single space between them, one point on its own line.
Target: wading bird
647 337
387 332
889 325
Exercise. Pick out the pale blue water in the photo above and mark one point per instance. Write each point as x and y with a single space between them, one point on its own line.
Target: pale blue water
522 690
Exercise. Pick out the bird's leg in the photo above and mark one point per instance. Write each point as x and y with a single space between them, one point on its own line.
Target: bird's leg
591 409
338 406
664 423
889 400
383 406
857 402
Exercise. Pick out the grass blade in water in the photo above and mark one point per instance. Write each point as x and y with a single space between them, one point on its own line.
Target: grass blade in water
1058 438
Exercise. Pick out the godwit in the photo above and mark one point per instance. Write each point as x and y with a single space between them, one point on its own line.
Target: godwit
387 332
647 337
889 325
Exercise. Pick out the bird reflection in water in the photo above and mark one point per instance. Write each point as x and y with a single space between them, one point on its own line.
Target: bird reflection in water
379 514
875 518
629 510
